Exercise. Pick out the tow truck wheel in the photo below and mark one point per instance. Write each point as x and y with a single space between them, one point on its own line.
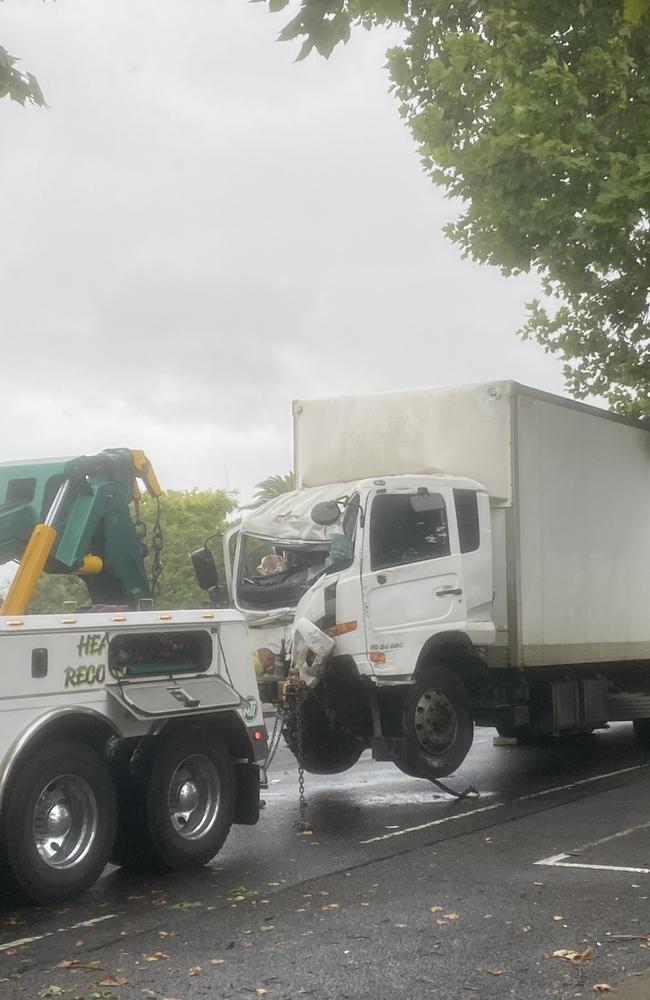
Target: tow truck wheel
190 801
59 821
437 724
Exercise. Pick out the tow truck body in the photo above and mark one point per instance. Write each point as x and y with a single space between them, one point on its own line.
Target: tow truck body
125 734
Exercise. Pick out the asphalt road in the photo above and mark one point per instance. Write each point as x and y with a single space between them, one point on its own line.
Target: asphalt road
399 892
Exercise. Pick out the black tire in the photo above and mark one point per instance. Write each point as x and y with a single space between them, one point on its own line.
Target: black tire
327 747
407 769
642 732
437 724
189 801
58 821
133 848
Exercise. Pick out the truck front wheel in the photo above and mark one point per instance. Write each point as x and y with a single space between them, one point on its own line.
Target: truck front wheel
437 724
190 801
58 821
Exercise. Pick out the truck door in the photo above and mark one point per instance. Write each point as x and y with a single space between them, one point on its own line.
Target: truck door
412 579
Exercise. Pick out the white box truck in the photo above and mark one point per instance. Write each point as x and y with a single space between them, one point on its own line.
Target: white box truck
491 565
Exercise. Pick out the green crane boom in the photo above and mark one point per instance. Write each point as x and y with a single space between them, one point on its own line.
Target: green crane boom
73 515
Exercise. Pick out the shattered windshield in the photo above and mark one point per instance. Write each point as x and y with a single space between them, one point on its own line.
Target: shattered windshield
272 575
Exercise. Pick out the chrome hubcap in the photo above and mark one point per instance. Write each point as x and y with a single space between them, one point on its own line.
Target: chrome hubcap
194 796
65 821
436 721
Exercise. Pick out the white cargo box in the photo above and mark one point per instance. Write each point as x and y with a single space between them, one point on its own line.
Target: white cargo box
570 490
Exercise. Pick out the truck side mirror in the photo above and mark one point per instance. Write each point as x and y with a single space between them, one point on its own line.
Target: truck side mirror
326 513
204 568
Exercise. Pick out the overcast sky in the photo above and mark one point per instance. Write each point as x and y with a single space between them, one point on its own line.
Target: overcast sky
198 231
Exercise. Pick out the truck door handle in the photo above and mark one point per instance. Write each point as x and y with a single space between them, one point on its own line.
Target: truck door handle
449 592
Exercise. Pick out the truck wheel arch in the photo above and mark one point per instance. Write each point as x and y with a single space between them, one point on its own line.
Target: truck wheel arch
455 651
84 725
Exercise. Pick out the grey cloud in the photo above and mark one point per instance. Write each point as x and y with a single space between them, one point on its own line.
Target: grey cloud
200 230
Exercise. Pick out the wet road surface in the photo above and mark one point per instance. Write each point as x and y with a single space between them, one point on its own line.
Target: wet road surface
400 891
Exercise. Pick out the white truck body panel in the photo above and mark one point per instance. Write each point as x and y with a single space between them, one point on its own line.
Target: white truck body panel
569 489
582 535
459 430
78 678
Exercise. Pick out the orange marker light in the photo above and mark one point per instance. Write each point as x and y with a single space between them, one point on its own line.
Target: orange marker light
376 657
341 629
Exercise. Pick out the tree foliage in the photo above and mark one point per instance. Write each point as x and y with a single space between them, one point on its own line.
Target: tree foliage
187 519
273 487
537 117
17 85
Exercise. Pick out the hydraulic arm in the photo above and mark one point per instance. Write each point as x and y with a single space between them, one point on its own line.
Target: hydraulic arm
73 515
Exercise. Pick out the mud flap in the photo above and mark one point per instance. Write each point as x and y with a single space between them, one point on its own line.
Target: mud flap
247 800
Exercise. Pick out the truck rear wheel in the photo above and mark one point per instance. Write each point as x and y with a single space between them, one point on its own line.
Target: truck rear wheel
437 724
189 801
58 821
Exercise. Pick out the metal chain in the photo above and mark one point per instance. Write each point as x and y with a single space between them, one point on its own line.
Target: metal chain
156 552
301 824
276 735
138 523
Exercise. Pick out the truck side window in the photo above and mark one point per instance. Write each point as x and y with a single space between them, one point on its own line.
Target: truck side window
401 533
467 517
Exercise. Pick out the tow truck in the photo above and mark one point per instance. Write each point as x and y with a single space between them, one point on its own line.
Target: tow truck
127 734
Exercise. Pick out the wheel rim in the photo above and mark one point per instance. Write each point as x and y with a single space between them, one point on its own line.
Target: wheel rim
194 796
436 721
65 821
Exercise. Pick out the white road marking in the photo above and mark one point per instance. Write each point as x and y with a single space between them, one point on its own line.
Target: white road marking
564 860
59 930
583 781
499 805
558 862
433 822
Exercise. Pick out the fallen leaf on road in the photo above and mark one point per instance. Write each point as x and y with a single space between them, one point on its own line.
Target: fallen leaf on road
494 971
52 991
135 897
216 961
575 957
630 937
75 963
451 916
156 956
195 970
261 991
437 909
166 933
113 980
558 918
601 988
184 905
330 906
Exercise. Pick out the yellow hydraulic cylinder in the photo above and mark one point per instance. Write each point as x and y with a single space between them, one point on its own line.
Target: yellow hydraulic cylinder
91 566
35 556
